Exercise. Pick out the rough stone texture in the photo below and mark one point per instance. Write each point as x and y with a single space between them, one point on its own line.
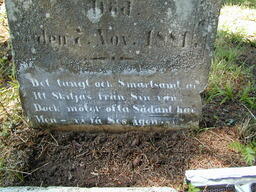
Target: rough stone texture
127 63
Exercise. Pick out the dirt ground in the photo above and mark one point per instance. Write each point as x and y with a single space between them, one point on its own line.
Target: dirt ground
126 159
44 158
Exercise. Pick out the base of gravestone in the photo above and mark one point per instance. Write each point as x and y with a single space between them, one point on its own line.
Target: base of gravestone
122 128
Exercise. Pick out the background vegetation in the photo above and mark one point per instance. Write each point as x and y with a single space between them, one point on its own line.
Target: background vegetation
231 83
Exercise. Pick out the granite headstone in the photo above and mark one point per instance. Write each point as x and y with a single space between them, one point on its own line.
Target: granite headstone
113 64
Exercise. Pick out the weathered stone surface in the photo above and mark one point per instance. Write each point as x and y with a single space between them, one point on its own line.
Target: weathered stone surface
113 62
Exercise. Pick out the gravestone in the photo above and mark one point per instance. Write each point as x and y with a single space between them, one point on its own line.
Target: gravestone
113 64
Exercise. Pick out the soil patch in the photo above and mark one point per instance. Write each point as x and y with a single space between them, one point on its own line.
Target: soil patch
43 158
126 159
218 115
248 58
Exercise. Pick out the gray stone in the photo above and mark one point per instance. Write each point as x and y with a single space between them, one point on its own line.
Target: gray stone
113 64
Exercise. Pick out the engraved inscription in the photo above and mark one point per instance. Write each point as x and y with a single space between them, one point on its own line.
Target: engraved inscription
57 40
107 37
116 40
126 62
112 7
91 101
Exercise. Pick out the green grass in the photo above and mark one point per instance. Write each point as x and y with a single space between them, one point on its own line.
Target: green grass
230 79
243 3
192 188
7 70
248 151
11 118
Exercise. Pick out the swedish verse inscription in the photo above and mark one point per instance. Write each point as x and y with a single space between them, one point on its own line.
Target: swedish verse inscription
124 63
81 94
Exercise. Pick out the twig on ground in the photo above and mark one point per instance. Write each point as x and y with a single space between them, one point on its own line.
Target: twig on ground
21 139
42 146
17 171
202 144
254 117
220 136
57 144
33 171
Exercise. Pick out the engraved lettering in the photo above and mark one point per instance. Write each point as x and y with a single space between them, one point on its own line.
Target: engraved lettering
181 110
101 6
151 109
190 86
160 39
140 98
71 97
117 108
36 83
114 40
167 98
117 121
124 40
77 41
44 108
149 38
150 84
73 84
144 122
103 84
112 7
101 36
184 39
42 119
84 108
96 121
39 95
57 40
111 97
